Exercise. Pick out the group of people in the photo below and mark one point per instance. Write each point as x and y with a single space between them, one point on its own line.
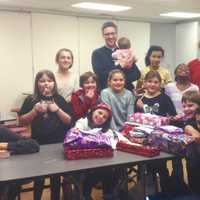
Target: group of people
107 97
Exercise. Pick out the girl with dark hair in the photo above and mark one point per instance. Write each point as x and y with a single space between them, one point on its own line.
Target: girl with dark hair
99 117
67 80
49 116
152 61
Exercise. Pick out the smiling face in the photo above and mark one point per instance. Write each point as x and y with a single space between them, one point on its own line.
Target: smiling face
117 82
64 60
90 84
189 108
182 74
100 116
46 85
110 36
182 70
152 86
155 58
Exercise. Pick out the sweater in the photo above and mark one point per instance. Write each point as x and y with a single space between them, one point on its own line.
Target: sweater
81 104
103 63
47 129
164 73
16 143
158 105
122 105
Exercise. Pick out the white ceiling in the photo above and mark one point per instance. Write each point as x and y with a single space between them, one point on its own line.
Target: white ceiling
145 10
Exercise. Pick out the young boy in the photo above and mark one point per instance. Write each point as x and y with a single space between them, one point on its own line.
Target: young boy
190 102
193 152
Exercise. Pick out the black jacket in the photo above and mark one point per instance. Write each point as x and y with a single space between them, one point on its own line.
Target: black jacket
18 144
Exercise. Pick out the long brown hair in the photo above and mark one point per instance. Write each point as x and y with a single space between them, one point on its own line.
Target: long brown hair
37 94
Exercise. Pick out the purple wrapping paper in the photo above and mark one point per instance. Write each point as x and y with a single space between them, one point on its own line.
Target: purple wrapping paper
173 130
84 140
170 143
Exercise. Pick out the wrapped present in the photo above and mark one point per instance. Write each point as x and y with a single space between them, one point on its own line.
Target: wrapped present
138 134
80 144
127 128
173 130
80 139
137 137
170 143
147 119
75 154
143 150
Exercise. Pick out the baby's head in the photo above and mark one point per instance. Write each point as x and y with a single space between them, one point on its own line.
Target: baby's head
190 102
100 117
124 43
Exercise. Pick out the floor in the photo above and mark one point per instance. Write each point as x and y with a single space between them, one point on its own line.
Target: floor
96 193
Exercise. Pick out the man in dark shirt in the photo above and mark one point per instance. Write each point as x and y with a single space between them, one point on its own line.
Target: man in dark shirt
102 62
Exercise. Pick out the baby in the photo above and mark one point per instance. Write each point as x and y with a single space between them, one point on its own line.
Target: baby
124 55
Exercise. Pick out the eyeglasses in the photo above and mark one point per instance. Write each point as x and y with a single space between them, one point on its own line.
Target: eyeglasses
110 34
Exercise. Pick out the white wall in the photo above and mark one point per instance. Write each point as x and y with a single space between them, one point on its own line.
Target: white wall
29 43
139 34
165 35
90 37
16 58
51 33
186 41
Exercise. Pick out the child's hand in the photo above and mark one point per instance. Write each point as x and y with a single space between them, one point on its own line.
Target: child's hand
89 93
138 92
178 117
134 91
125 63
40 107
53 107
139 104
